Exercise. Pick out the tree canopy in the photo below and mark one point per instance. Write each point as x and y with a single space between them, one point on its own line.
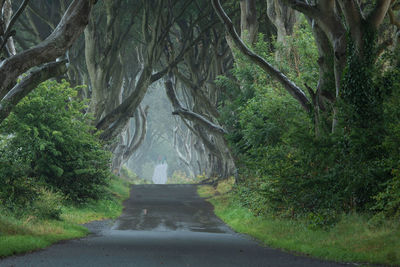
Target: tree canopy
295 99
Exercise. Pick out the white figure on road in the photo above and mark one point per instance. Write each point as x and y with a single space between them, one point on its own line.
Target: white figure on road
160 173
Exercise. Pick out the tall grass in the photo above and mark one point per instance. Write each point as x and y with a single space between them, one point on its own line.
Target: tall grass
28 233
353 239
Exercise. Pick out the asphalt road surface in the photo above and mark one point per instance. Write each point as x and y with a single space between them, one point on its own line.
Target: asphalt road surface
162 225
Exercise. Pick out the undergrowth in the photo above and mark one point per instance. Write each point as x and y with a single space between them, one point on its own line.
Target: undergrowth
28 233
354 238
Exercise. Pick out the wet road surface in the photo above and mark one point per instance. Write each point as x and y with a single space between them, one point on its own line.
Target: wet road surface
162 225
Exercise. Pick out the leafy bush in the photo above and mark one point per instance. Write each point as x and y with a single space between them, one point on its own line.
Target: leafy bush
16 189
51 136
48 204
127 173
388 200
288 170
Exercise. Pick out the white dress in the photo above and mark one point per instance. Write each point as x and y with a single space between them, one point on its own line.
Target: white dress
160 173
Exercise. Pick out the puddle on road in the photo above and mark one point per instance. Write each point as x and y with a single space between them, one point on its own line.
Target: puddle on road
168 208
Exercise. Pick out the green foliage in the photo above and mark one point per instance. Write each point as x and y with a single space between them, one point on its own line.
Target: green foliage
180 177
351 239
48 204
127 173
48 140
388 200
16 189
289 171
368 119
270 132
21 234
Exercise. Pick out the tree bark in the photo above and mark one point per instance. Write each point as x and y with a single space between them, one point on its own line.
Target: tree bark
291 87
139 135
70 27
283 17
248 21
187 114
28 83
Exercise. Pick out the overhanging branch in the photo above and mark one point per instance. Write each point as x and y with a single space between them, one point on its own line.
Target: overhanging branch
291 87
187 114
302 7
70 27
28 83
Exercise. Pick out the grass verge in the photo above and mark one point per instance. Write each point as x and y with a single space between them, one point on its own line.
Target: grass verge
353 239
19 235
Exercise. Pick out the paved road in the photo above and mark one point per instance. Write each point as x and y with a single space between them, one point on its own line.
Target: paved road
162 225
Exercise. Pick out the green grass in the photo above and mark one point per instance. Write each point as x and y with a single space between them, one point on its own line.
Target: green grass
353 239
19 235
102 209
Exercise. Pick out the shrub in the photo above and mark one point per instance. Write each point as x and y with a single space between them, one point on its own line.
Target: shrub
16 189
49 133
48 204
388 201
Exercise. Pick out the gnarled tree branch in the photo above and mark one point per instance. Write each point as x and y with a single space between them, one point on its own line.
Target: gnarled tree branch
140 133
187 114
8 31
303 7
291 87
28 83
68 30
377 15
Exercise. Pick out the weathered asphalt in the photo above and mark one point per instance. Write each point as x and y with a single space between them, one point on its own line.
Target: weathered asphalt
162 225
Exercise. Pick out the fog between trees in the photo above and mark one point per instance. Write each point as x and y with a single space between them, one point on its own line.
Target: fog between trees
298 100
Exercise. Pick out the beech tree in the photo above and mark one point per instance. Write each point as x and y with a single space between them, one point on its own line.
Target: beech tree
130 140
156 22
122 68
191 89
108 33
330 20
39 59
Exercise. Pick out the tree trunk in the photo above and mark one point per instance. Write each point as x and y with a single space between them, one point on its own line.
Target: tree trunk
248 21
283 17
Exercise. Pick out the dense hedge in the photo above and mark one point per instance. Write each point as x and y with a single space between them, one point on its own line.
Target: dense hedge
49 145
